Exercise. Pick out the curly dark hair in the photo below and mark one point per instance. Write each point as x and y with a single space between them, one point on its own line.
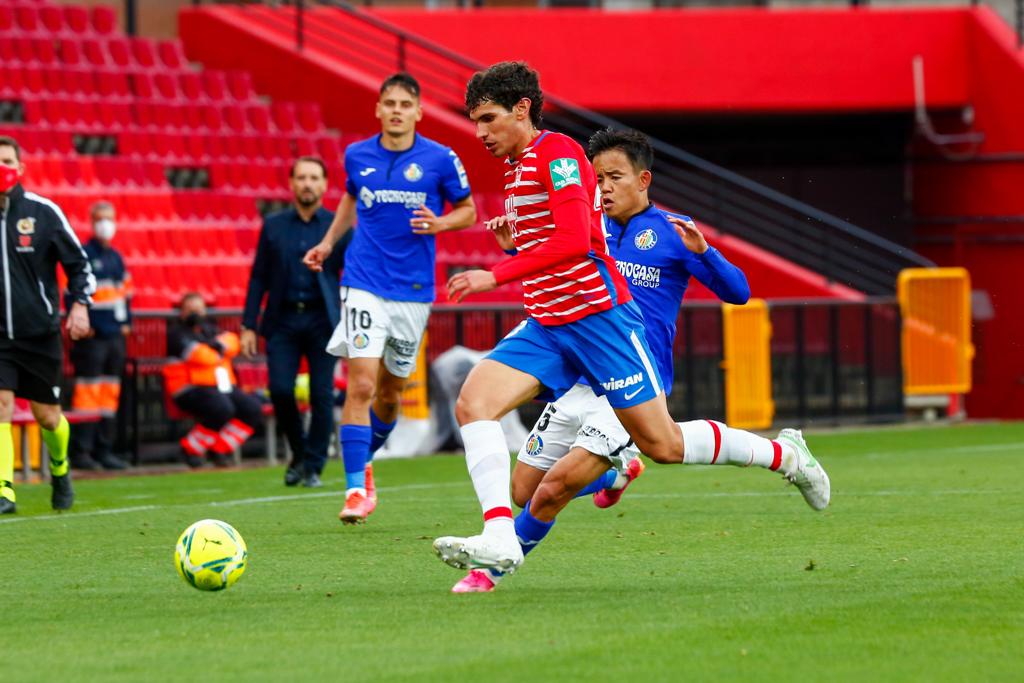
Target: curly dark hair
505 83
634 144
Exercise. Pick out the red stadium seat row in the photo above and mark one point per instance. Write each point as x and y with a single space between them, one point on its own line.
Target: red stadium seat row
56 19
200 149
127 54
158 244
206 205
40 139
94 172
160 285
141 205
103 85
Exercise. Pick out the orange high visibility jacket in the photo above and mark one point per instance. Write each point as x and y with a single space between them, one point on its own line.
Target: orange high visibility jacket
198 355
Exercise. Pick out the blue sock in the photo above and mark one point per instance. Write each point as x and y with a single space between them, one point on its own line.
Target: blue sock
381 432
355 447
605 481
529 530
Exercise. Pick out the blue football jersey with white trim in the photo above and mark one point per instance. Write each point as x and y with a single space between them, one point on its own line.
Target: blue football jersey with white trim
386 257
658 267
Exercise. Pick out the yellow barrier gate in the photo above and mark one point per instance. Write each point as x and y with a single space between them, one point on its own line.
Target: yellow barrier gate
747 334
936 307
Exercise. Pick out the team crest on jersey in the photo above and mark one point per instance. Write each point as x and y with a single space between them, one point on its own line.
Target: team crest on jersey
565 172
534 445
361 341
646 239
25 240
26 226
413 172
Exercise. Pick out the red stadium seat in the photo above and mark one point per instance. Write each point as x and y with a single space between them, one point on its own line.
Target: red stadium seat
94 52
240 86
234 117
7 20
308 114
166 86
212 119
329 149
120 52
70 52
76 19
12 82
45 50
283 114
144 51
191 87
214 85
112 84
51 19
27 18
259 118
171 54
104 20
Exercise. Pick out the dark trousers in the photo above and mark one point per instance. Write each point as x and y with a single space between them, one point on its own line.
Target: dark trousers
301 334
213 409
99 364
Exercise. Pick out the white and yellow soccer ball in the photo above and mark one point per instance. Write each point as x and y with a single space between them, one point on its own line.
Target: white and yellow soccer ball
211 555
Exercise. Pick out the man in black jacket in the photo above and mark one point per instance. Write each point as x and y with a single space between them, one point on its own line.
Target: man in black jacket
35 236
302 310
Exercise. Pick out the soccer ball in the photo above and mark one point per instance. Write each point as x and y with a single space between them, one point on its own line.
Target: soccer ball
210 555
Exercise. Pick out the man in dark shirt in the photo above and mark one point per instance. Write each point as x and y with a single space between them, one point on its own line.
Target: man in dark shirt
302 309
99 359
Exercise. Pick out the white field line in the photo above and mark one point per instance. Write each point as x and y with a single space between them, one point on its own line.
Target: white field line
222 503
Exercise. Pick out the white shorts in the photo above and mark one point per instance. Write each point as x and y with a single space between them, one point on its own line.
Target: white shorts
578 418
374 327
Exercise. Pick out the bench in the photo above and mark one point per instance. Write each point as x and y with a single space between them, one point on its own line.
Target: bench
23 419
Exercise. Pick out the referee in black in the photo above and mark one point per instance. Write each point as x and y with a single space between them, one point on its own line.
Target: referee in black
302 310
35 237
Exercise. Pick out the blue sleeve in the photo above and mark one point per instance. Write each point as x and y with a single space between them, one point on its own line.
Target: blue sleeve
454 181
716 273
350 185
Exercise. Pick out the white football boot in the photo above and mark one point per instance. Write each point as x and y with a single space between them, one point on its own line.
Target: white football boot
804 472
486 551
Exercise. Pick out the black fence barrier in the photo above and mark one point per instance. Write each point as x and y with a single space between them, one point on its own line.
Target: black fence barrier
833 362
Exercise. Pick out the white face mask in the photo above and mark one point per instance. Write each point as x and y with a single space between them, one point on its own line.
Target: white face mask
105 229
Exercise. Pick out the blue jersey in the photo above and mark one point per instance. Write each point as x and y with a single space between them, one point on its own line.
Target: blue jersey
657 267
386 257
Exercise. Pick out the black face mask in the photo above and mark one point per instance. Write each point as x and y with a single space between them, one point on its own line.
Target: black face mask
193 319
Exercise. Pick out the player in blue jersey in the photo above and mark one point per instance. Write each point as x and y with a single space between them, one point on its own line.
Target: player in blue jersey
577 437
398 184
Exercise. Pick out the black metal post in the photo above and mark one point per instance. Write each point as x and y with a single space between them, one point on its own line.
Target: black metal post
133 363
300 29
801 370
459 333
130 13
834 341
869 358
691 394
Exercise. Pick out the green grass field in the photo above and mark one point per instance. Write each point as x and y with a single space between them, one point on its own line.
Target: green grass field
914 573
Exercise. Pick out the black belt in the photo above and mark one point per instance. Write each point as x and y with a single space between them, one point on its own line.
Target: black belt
303 306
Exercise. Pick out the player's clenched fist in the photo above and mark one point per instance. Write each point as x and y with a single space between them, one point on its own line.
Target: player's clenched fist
315 257
470 282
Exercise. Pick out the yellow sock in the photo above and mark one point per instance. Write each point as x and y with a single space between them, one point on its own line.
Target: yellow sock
57 443
6 462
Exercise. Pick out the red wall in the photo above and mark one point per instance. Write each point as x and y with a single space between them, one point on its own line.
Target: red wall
713 60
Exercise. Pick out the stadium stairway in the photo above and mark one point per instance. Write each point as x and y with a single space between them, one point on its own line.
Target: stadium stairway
189 156
346 54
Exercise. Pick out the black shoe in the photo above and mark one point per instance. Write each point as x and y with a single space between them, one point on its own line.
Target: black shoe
63 496
7 506
312 481
293 475
84 461
193 461
221 460
112 462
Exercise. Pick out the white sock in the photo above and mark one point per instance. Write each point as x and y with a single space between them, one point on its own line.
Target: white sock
707 442
349 492
489 463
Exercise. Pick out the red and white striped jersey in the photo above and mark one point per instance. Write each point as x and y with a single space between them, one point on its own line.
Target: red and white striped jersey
552 171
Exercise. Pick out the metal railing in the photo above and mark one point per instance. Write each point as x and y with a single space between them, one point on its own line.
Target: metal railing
837 249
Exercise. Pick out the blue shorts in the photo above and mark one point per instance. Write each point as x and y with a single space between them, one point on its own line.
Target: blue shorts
608 350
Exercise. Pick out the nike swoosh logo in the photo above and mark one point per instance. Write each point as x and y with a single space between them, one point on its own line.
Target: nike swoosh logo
367 171
629 396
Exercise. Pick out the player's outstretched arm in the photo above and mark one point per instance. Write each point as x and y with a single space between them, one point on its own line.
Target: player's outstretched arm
711 269
426 222
344 219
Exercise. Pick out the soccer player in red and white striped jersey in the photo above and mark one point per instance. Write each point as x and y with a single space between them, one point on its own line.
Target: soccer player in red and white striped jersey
582 321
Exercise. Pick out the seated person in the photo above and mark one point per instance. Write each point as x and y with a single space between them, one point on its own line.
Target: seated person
200 380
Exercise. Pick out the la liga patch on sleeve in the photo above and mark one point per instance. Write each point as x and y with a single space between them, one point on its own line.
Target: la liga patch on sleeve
564 172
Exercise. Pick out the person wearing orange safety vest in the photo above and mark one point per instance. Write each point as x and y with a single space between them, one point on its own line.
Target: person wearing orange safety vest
202 383
99 359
